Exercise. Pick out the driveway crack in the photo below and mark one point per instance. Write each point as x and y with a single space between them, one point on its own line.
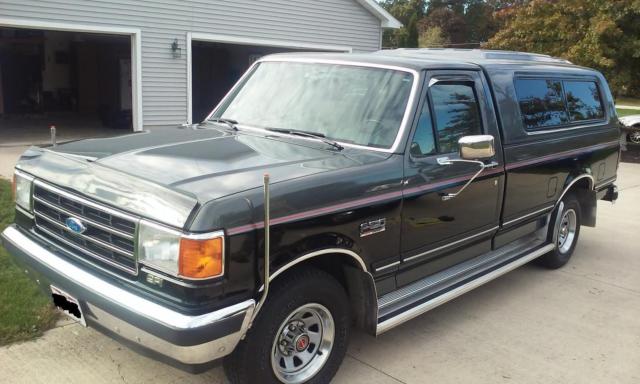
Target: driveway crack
629 187
629 290
376 369
119 367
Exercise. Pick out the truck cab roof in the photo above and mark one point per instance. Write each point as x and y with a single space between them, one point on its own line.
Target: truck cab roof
449 58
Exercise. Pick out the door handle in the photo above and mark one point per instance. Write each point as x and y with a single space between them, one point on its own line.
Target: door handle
481 164
491 165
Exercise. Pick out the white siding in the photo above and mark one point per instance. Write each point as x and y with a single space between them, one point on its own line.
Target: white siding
164 78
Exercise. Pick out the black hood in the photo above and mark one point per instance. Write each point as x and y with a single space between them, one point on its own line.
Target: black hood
212 163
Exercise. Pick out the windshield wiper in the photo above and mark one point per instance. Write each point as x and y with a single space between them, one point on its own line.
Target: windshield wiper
314 135
229 122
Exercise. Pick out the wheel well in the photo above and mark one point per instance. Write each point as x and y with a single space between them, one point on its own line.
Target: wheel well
582 189
358 284
583 183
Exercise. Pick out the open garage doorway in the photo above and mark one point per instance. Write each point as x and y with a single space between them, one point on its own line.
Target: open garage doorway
218 62
80 82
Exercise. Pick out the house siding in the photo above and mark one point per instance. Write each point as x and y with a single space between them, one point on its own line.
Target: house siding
164 78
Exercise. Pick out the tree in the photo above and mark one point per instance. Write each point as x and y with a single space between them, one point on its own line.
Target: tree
412 32
464 23
596 33
457 6
480 21
405 11
432 38
435 4
452 25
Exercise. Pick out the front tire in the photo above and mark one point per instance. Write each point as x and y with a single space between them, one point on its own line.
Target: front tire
300 335
634 137
565 233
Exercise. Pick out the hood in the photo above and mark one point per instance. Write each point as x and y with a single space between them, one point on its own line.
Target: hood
199 164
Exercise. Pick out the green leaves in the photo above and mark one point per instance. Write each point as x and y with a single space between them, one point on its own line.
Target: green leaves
601 34
464 23
595 33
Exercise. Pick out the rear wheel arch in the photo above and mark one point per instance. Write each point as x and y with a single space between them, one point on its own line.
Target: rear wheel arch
580 181
348 268
582 187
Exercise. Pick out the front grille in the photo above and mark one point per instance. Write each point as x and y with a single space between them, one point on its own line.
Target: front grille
109 236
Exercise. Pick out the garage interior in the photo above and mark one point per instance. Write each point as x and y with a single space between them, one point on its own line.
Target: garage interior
79 82
216 67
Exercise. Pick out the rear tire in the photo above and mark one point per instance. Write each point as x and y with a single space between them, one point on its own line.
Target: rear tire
300 335
566 233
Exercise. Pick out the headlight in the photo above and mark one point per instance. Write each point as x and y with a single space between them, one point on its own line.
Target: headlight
191 256
22 184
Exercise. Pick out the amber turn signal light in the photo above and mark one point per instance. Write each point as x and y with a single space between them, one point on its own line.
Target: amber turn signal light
200 258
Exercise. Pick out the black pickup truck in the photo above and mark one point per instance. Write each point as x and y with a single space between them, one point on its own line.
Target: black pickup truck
325 191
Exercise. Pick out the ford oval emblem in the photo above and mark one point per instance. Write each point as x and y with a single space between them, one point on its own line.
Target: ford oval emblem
75 225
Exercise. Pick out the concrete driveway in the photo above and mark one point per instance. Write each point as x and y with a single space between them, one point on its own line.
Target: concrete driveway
579 324
8 159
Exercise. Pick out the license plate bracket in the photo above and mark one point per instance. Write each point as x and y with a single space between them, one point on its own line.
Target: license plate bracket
67 304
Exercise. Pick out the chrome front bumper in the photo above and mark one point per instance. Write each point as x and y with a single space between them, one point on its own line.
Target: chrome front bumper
188 340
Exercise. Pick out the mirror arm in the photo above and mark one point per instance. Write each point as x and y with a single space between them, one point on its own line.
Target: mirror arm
483 166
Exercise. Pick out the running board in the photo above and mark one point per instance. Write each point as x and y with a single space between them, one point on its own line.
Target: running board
424 295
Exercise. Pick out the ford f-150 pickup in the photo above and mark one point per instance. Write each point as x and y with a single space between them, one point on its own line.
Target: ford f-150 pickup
325 192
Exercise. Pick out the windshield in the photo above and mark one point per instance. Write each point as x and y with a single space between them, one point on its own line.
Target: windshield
350 104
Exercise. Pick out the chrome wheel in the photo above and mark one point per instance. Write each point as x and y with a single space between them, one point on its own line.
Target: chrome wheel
303 344
634 137
567 230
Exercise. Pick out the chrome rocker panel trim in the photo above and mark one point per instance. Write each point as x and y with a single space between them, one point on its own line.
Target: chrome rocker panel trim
450 295
452 244
180 337
528 215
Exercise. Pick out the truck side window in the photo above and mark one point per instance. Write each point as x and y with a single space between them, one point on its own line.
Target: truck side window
457 113
423 143
583 100
541 103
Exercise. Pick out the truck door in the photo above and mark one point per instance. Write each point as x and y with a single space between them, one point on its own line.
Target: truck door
438 233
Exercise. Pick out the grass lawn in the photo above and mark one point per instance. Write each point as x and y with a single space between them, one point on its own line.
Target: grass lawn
25 312
627 112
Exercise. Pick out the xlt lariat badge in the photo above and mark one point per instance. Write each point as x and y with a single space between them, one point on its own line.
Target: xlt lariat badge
372 227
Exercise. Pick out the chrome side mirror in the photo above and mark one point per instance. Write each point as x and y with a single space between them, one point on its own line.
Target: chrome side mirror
473 149
477 147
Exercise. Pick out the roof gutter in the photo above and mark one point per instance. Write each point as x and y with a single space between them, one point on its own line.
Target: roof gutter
387 21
